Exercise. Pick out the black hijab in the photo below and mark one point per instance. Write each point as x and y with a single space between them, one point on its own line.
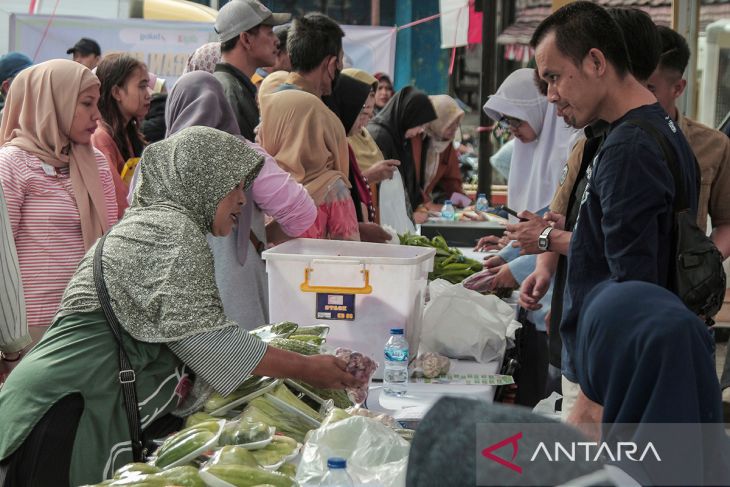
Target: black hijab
646 358
347 100
407 109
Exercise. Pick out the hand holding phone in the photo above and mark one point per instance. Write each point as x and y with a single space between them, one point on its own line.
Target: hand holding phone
512 212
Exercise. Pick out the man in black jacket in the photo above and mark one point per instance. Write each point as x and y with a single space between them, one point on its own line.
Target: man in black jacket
248 42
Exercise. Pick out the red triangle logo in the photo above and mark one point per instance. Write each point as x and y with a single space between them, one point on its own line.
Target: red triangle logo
512 440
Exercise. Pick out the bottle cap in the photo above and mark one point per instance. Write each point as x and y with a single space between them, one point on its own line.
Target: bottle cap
447 202
482 195
336 462
396 331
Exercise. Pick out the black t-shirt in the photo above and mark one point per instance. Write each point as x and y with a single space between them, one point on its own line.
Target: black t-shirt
625 222
241 94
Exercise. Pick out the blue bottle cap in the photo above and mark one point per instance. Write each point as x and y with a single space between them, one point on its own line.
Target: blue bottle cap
337 462
396 331
482 195
447 202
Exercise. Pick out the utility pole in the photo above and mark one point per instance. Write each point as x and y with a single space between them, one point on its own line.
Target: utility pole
487 86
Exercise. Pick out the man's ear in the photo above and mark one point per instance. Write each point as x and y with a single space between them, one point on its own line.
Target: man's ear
245 39
5 86
597 61
679 87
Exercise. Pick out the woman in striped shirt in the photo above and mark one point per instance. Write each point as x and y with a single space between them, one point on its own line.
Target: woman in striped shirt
63 404
58 189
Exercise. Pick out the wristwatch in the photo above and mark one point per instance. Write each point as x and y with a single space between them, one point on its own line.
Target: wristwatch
543 241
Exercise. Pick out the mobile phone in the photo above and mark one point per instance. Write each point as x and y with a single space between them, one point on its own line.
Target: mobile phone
512 212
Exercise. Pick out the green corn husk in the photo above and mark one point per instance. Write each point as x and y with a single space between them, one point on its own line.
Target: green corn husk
316 330
268 411
278 330
297 346
249 386
286 395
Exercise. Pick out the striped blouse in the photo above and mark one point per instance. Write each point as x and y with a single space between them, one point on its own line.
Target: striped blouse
13 324
46 224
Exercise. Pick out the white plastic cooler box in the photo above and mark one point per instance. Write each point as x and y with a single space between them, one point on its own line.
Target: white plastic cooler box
360 290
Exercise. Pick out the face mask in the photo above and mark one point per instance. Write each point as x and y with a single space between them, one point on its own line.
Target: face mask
335 79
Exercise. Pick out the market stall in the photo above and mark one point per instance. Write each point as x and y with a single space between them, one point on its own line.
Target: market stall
342 298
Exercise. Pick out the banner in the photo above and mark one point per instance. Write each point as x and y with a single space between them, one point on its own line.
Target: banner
454 23
165 45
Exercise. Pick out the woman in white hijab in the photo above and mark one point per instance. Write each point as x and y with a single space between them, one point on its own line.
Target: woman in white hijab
540 151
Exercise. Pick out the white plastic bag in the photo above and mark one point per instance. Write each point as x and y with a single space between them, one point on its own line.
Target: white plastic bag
392 201
464 324
375 453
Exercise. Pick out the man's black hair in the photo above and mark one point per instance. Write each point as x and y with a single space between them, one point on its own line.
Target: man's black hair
311 40
230 44
643 43
282 35
582 26
675 51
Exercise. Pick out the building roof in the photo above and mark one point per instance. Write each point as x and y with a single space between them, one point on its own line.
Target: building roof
531 12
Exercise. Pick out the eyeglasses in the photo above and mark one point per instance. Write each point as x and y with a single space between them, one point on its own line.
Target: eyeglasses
506 122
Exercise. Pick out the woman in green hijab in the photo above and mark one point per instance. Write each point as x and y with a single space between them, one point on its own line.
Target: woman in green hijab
62 408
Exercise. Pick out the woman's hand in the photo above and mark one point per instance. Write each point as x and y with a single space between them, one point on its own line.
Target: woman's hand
328 372
372 232
503 278
491 242
494 261
381 171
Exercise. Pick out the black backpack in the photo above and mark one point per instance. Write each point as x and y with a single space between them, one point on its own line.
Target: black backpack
698 277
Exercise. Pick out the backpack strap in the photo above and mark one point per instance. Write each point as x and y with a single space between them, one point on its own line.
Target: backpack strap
680 195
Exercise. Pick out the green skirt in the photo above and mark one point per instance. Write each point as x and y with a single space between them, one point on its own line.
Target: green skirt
79 354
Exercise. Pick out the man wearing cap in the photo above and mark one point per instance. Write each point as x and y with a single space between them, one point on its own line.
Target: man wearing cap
10 65
248 42
86 52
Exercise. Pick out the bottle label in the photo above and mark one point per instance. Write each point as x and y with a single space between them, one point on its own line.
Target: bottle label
396 355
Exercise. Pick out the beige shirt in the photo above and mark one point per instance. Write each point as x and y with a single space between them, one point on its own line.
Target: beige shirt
567 178
712 150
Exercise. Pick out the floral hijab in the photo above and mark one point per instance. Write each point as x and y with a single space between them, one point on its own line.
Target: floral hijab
157 264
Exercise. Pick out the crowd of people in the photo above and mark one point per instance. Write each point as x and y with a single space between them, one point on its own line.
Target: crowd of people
129 206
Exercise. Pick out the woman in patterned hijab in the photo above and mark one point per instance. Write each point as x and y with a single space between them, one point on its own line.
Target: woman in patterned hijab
64 401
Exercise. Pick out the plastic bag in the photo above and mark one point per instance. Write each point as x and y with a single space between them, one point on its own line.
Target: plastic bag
392 199
375 453
464 324
363 368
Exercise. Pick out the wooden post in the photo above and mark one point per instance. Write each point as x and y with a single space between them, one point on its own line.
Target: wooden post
487 82
374 12
686 20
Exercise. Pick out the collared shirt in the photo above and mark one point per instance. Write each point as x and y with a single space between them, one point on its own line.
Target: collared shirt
626 218
712 150
241 94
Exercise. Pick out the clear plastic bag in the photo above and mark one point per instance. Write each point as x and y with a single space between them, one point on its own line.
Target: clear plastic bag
362 367
375 453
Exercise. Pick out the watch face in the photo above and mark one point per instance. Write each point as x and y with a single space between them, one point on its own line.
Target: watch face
542 243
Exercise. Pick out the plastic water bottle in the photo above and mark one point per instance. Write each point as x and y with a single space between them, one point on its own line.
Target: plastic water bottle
395 374
482 203
447 211
337 475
